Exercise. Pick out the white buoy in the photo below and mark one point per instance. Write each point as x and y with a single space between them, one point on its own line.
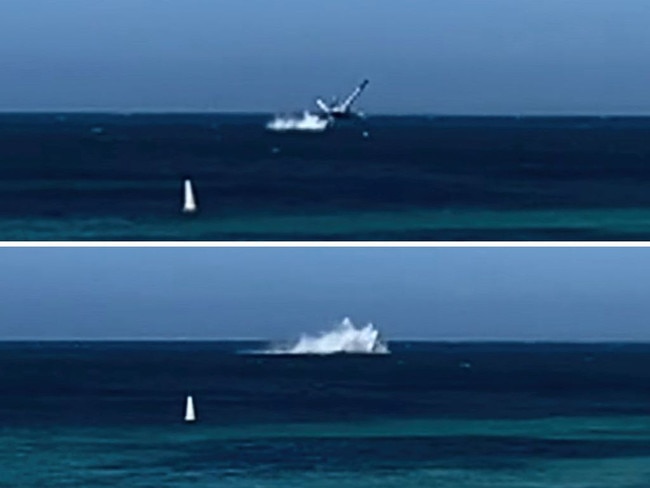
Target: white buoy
190 416
189 204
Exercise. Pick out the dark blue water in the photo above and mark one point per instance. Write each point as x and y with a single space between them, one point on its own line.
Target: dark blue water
451 415
106 380
118 177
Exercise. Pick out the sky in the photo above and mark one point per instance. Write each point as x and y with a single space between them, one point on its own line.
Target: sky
422 56
565 294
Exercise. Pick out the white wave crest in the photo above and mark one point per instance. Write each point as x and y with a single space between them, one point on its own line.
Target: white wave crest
308 122
343 338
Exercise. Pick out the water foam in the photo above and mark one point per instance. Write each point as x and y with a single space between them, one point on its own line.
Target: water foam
308 122
343 338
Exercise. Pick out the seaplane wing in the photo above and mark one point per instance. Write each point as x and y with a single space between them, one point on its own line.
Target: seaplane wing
323 106
347 103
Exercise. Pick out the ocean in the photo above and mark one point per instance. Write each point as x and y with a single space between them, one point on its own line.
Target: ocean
447 415
119 177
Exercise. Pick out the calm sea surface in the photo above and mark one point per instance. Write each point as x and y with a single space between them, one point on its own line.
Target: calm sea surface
443 415
119 177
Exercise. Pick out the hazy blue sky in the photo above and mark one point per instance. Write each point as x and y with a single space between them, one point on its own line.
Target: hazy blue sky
277 293
442 56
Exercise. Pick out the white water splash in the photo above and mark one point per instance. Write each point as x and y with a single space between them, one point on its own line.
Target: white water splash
343 338
308 122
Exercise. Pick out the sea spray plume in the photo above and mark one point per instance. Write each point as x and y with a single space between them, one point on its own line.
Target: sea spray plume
343 338
308 122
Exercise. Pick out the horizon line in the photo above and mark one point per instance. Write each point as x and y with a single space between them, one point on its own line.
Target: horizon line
400 340
126 113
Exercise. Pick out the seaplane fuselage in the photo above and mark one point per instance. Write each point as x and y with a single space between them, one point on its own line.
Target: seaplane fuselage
343 115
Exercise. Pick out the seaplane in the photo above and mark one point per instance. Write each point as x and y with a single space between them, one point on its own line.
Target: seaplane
337 111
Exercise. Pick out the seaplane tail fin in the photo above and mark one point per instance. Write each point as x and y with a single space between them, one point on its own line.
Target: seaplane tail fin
354 95
323 106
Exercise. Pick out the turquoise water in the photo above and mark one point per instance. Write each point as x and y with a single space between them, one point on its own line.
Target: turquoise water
330 455
414 225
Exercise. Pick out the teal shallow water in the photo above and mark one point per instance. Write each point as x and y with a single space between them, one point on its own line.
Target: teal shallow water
363 455
445 224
